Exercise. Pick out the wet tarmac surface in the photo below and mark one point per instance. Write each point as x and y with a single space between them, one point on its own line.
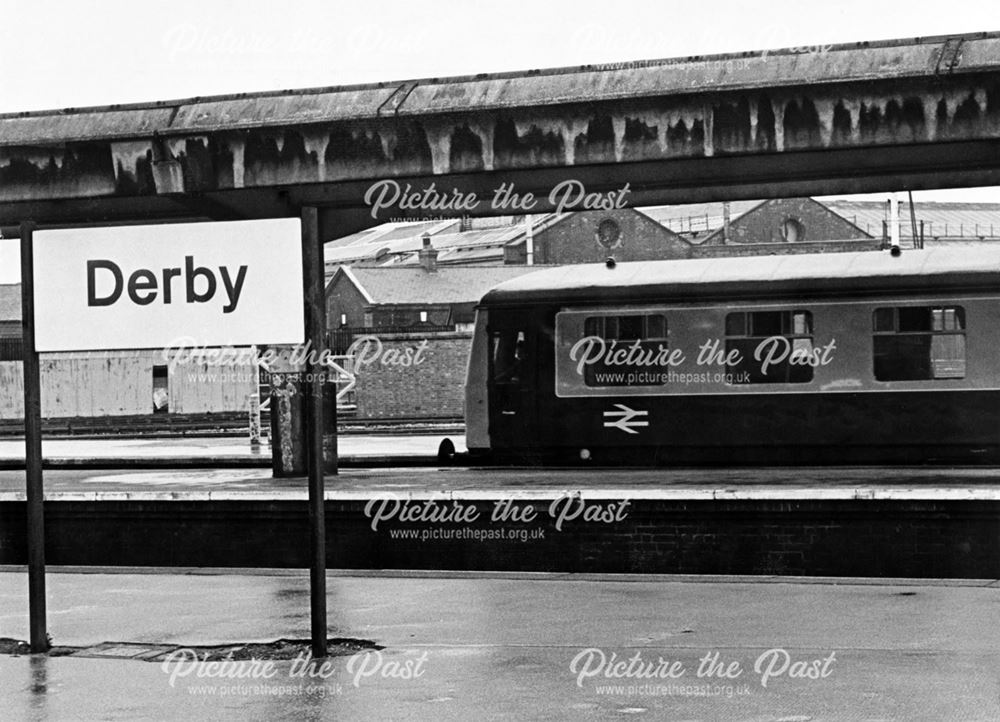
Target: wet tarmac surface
521 647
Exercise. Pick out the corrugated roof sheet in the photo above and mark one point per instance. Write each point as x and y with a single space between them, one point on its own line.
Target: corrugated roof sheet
452 284
10 302
485 254
943 219
407 239
387 231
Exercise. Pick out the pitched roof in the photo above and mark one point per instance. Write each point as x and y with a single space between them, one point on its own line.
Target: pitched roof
697 217
10 302
410 285
392 232
399 243
941 219
764 206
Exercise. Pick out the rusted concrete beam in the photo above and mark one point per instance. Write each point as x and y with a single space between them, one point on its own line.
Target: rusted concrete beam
912 94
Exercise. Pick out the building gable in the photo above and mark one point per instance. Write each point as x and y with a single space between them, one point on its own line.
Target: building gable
787 220
346 301
593 236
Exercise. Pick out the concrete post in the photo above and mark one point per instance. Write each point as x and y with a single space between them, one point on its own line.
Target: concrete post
253 410
297 379
288 449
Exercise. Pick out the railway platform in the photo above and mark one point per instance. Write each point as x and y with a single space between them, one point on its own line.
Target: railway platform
510 647
828 521
219 452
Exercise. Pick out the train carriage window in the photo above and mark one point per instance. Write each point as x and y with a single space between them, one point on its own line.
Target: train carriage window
652 327
919 343
784 337
634 350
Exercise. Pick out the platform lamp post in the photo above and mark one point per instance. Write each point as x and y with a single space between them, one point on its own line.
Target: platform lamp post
33 450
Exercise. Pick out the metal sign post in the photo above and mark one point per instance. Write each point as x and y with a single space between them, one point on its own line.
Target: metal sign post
33 450
183 286
312 387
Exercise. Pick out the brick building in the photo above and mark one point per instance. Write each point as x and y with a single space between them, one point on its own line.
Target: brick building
592 236
408 330
10 311
785 225
786 221
426 296
779 225
430 386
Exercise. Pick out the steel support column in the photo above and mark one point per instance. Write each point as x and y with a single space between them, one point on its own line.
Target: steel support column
312 385
33 450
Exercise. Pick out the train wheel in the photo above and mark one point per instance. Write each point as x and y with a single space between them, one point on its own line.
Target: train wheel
446 452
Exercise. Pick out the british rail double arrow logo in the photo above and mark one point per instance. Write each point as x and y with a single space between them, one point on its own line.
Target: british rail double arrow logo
625 422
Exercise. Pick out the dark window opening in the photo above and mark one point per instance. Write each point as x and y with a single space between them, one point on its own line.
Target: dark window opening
161 390
507 355
652 327
774 347
462 315
919 343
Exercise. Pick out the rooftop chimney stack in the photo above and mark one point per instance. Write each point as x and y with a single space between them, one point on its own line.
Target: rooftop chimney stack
428 255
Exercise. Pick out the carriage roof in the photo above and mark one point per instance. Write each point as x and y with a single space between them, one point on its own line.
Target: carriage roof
798 274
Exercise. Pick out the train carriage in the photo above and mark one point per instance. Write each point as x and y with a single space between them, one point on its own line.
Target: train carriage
801 359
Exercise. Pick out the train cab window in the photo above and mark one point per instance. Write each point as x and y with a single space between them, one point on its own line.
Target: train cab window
649 331
508 357
919 343
508 351
748 331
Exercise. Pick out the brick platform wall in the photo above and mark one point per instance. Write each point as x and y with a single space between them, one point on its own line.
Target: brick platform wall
920 539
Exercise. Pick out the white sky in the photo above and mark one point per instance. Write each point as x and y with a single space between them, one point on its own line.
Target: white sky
75 53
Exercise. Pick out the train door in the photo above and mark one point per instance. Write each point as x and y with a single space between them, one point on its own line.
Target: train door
513 364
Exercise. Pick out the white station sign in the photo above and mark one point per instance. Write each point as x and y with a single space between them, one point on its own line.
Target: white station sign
202 284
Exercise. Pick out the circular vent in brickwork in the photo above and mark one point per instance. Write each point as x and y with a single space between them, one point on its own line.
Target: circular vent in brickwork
609 233
792 230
